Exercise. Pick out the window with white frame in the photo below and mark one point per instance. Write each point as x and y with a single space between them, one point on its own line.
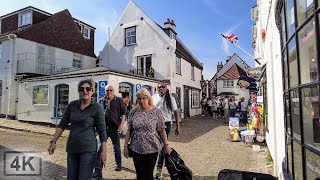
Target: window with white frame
228 84
192 72
40 94
144 65
25 18
86 32
77 63
0 50
178 65
195 98
130 35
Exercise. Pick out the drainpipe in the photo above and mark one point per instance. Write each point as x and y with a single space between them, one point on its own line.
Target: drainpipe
10 37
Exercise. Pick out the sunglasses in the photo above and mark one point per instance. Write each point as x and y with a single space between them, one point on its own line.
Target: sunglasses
109 90
161 87
85 88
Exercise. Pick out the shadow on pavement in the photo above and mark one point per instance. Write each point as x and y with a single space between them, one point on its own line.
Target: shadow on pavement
190 128
49 170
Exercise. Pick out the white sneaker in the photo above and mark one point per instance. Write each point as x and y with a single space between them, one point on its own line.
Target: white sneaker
159 173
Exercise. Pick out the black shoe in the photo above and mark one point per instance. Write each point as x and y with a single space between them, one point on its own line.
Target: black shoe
118 168
97 175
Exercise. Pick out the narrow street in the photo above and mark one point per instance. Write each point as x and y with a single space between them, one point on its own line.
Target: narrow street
202 144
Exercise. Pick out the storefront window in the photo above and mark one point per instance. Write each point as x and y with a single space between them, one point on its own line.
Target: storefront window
289 155
62 99
290 18
40 94
305 8
311 123
295 114
297 161
307 54
285 69
287 113
293 65
312 165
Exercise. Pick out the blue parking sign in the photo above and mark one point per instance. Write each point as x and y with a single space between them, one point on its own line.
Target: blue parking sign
101 91
138 86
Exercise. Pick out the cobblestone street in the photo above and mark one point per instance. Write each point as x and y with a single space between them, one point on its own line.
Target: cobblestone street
202 144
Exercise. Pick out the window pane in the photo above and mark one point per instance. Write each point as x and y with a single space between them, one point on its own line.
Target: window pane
295 114
304 10
297 161
128 40
311 123
290 18
133 40
293 67
283 28
288 118
285 69
307 54
289 155
312 165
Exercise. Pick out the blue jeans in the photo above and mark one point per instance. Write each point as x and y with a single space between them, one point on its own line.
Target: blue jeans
115 138
162 152
80 166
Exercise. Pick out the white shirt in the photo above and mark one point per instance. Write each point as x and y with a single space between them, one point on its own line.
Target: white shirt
158 102
225 103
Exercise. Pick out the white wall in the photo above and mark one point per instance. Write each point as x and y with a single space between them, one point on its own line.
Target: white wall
270 52
43 113
241 91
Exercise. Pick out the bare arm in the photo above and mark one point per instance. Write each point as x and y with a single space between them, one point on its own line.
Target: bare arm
126 141
56 136
177 117
165 141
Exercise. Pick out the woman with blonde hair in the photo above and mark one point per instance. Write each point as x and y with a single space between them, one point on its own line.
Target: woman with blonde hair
148 135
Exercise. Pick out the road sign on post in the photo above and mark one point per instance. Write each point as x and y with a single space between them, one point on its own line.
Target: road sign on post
138 86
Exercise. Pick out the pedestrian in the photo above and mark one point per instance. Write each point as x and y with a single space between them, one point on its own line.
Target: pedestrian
215 106
233 107
225 105
115 112
204 106
147 135
243 111
209 106
85 117
168 106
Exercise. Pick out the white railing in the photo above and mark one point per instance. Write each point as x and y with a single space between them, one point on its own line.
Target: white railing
29 63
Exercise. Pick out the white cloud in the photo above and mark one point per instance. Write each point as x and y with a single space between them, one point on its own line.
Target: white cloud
212 4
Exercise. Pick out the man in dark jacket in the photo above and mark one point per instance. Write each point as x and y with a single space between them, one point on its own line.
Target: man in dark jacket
115 117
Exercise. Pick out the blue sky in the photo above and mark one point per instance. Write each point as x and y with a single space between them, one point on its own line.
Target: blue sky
198 22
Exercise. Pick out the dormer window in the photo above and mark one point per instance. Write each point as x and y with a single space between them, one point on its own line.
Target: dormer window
25 18
86 32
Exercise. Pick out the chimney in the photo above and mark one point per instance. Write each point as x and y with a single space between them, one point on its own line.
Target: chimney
219 66
169 24
228 58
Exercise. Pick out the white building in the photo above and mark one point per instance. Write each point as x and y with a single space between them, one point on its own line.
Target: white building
224 82
36 43
140 46
285 41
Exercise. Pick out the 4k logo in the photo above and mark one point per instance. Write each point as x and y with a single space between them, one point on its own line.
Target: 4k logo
22 163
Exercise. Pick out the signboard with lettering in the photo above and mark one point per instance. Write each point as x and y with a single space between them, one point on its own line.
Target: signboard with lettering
101 91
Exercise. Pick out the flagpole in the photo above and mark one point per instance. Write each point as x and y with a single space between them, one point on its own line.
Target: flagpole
247 53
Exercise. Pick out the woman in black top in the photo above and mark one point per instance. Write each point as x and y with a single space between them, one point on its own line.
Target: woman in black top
85 117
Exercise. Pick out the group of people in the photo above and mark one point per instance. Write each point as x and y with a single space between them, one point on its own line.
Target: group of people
224 107
149 123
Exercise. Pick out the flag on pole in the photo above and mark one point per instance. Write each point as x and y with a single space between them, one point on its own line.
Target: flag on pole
231 37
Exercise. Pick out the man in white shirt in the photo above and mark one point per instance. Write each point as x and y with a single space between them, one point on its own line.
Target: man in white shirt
167 104
225 105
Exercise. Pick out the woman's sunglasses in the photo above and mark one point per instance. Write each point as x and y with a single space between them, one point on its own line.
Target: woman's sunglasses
161 87
87 89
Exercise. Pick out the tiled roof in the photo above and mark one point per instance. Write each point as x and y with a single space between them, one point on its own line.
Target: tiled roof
233 73
184 52
59 31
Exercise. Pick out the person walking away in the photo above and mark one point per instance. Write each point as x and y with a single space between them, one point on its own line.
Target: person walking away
147 135
225 105
243 111
233 107
85 117
215 106
115 112
209 106
167 105
204 106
